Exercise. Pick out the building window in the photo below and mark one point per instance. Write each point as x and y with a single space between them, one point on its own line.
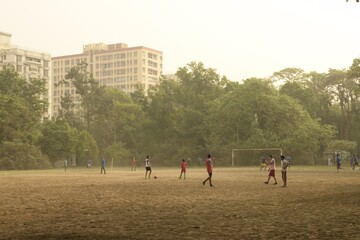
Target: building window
152 56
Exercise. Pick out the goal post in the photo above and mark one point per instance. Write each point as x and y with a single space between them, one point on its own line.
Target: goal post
252 149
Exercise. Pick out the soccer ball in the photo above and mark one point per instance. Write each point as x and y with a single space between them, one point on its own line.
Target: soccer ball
155 177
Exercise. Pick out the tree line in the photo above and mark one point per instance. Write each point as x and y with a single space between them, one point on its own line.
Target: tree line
305 113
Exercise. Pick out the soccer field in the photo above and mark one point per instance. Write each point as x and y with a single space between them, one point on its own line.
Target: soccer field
82 204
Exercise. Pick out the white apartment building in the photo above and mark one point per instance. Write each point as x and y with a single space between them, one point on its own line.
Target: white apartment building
114 65
30 64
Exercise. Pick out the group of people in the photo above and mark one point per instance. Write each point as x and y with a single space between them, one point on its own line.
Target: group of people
209 168
183 166
284 166
353 162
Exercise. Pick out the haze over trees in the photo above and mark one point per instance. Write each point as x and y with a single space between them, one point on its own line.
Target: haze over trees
201 111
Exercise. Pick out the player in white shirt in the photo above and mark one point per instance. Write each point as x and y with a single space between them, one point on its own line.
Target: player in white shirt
147 166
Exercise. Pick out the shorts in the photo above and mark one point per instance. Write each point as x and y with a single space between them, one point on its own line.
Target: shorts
210 174
183 170
338 166
283 173
148 168
272 173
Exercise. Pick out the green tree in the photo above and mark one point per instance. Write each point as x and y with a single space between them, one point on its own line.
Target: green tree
58 140
88 89
15 156
20 100
86 148
256 115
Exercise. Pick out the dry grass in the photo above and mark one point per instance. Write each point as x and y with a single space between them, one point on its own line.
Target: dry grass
82 204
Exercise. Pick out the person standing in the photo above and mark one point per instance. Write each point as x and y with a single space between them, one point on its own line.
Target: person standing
103 166
271 170
133 164
209 168
329 161
284 165
183 169
65 164
355 162
338 162
147 166
263 163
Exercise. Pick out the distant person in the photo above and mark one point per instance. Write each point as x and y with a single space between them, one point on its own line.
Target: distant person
102 166
355 162
147 166
65 164
338 162
351 161
209 168
263 164
271 169
284 166
133 164
183 169
329 162
89 163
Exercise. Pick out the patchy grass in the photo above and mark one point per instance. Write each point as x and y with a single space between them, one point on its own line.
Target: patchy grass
82 204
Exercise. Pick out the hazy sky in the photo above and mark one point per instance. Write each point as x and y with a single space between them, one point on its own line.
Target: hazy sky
241 39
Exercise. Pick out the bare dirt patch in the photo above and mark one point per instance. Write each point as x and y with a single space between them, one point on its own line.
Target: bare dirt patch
82 204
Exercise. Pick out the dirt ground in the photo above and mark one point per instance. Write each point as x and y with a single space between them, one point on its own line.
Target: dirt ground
82 204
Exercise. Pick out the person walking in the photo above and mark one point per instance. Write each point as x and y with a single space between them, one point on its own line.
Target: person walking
338 162
209 168
355 162
271 169
102 166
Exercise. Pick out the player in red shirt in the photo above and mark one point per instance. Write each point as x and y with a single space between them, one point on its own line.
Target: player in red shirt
209 168
183 168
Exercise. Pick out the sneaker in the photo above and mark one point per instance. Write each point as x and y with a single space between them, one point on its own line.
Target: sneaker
266 182
275 183
211 185
204 183
284 186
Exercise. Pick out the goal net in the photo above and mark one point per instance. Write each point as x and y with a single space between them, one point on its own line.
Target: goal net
253 156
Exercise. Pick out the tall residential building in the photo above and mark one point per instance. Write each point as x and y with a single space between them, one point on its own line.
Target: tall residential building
114 65
30 64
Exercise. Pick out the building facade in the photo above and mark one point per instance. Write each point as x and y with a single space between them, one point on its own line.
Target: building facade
30 64
114 65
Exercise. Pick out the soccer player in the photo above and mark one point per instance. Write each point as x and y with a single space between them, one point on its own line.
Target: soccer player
65 165
271 170
103 166
355 162
133 164
209 168
147 166
183 168
338 162
284 165
263 163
